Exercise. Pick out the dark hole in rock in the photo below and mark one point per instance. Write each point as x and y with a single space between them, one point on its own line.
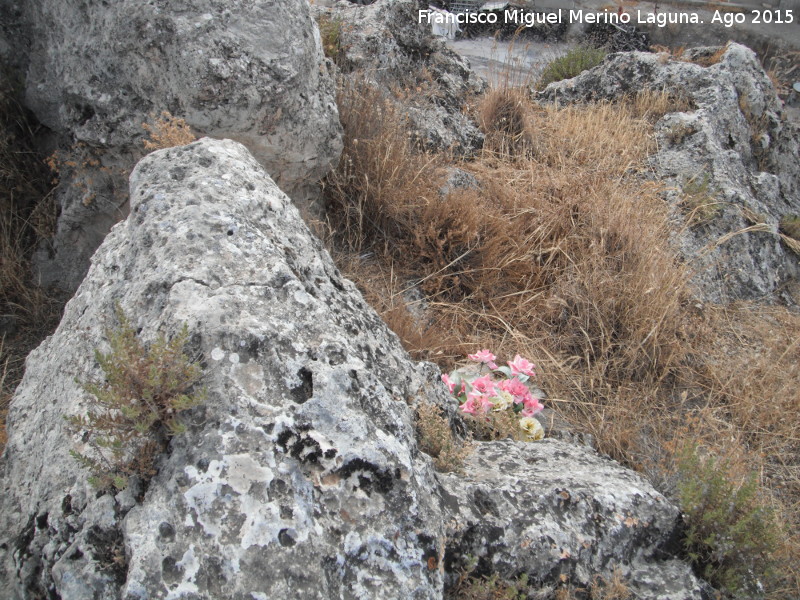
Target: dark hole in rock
109 551
86 112
166 531
170 570
484 502
75 555
285 538
305 390
370 477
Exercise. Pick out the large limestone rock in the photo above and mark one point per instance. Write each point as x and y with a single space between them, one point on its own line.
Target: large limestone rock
300 476
732 151
299 479
250 71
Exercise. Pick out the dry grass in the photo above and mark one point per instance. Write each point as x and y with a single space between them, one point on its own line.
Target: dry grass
5 395
712 58
27 218
502 114
562 254
167 131
436 439
614 588
26 210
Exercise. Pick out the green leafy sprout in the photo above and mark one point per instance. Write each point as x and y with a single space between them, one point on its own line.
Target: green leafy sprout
731 533
137 405
572 64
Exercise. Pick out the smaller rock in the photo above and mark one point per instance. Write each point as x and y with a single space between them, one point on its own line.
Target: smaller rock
560 512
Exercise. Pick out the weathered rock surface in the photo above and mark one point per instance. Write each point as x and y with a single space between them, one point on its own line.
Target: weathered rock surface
250 71
551 508
732 153
385 42
300 477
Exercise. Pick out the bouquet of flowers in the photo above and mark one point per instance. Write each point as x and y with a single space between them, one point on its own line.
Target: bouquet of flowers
498 389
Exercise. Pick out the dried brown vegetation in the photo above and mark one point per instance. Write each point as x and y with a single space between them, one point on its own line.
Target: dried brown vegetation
167 131
437 439
562 253
27 218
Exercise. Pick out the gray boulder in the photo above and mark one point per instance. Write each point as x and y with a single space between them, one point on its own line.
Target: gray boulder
560 513
385 43
729 161
96 71
299 479
300 476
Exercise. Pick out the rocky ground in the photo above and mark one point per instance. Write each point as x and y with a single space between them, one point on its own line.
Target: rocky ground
300 474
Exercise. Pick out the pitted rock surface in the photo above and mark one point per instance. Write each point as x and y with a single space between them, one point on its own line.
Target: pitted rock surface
299 479
734 142
250 71
553 509
300 476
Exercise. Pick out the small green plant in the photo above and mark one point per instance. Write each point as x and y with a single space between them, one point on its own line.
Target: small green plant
138 404
699 199
437 439
489 587
731 534
330 30
790 225
572 64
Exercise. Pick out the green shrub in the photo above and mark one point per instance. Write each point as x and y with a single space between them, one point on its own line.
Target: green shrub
790 225
330 30
138 402
699 199
731 534
437 439
573 63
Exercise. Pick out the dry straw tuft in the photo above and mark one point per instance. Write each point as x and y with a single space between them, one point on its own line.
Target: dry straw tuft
167 131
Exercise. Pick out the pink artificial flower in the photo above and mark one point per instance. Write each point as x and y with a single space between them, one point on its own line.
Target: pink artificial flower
516 388
521 366
486 404
485 357
484 385
532 407
480 403
476 404
470 406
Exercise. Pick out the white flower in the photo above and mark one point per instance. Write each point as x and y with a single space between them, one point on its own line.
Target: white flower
532 428
502 400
